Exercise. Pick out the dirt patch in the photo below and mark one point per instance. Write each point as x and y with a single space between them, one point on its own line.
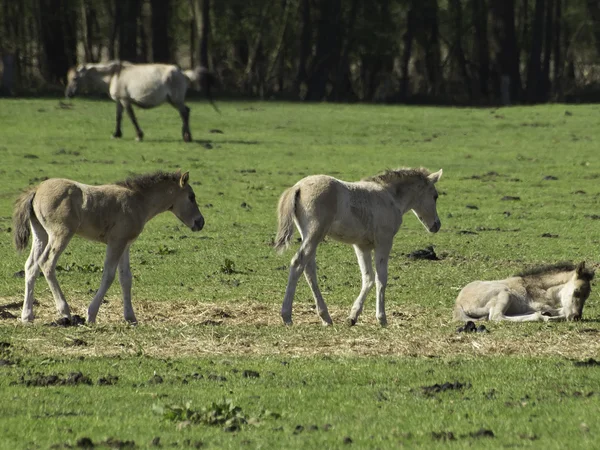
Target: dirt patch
447 386
39 379
588 363
73 321
427 253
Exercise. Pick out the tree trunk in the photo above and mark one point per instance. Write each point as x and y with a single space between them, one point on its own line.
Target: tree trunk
594 9
58 39
481 44
161 42
304 47
459 53
506 58
128 12
328 49
548 34
534 70
557 87
407 40
432 46
202 13
342 89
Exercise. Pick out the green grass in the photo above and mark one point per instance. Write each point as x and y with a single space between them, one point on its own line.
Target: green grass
197 316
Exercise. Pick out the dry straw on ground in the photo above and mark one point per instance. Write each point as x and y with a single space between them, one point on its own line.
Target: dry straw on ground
188 329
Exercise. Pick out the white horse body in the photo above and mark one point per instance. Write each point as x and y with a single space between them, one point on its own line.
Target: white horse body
366 214
143 85
548 293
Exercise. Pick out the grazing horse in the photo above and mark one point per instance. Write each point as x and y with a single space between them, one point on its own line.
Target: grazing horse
144 85
366 214
545 293
115 214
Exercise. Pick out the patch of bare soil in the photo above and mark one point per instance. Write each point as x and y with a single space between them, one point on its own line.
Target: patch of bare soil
179 329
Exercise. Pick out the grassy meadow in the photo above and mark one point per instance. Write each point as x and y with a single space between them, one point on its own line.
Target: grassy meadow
210 364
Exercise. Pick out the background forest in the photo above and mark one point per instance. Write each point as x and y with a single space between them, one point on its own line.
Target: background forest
426 51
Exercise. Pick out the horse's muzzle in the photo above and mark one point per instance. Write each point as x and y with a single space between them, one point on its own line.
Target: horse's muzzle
436 226
198 224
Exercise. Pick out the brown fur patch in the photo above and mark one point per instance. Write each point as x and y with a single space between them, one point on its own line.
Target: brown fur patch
146 181
564 266
390 176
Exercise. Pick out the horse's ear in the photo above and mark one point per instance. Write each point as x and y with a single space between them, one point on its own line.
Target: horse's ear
580 270
183 181
435 177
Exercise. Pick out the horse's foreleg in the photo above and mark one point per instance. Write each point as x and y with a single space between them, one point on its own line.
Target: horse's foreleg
184 112
32 269
47 262
131 114
125 280
118 133
382 254
310 273
368 280
114 251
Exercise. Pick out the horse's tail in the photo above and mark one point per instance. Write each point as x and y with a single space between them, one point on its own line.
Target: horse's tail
206 79
286 210
22 213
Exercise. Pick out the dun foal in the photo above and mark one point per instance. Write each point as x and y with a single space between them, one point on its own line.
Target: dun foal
544 293
366 214
115 214
143 85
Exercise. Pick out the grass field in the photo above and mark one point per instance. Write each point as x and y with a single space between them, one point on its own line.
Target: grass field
520 188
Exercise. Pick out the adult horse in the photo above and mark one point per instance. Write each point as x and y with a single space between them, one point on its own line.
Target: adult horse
115 214
143 85
366 214
544 293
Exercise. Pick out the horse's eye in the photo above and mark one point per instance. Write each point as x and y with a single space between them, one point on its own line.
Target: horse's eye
577 294
435 197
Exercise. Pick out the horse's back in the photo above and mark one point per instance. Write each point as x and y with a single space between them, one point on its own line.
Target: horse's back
149 85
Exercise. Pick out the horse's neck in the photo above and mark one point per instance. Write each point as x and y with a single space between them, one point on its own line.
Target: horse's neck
403 196
103 73
157 200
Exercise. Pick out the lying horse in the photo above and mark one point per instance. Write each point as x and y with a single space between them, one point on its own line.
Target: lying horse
144 85
366 214
114 214
545 293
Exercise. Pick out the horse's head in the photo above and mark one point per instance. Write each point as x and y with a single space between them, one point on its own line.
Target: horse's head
74 79
575 292
185 206
424 203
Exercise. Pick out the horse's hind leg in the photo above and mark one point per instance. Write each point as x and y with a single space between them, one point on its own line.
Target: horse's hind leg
114 251
184 112
299 262
310 273
57 242
131 114
125 280
368 280
32 267
119 119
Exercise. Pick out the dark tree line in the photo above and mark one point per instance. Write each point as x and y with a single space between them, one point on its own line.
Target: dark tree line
441 51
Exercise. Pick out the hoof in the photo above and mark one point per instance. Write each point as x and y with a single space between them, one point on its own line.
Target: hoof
187 137
350 321
117 135
383 322
326 323
27 319
140 138
287 321
131 321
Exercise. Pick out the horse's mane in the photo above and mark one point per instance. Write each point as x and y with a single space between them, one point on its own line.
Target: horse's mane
395 175
564 266
147 180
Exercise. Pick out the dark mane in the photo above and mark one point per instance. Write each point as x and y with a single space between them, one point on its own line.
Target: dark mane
564 266
389 176
147 180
